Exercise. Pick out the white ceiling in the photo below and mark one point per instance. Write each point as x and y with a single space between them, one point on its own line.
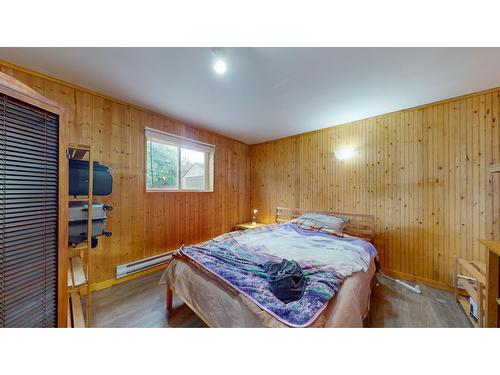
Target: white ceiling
268 93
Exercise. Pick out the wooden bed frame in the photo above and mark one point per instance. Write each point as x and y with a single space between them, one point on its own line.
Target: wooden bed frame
359 225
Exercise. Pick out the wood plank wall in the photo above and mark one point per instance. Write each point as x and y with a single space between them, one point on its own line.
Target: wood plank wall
422 172
146 224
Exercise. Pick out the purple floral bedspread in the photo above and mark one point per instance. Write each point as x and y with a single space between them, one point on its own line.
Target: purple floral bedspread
242 268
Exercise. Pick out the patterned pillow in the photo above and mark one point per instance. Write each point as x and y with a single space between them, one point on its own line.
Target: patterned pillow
323 223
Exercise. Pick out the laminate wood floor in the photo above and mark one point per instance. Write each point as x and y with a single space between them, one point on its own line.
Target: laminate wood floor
141 303
394 306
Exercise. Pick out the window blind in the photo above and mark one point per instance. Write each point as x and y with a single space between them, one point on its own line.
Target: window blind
29 147
176 140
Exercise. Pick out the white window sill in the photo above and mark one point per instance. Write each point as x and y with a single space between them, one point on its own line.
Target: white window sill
177 191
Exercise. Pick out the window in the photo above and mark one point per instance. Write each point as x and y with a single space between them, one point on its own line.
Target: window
178 164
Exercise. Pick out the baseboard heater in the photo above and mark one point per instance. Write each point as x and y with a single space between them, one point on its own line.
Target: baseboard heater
141 265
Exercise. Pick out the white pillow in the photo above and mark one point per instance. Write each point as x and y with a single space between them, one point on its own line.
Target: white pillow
323 221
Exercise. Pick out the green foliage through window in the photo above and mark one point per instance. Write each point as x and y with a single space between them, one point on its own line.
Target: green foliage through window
162 166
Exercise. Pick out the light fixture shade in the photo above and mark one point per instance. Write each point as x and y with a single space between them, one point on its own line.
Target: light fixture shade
345 153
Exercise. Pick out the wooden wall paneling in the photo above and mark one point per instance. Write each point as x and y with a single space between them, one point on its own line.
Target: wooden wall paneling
137 184
247 192
482 153
443 208
232 208
233 186
123 150
241 168
243 177
427 185
452 193
444 167
422 172
462 182
454 176
432 192
436 197
406 198
242 180
145 224
112 151
397 181
486 141
83 128
384 191
222 189
475 173
104 146
483 169
386 209
395 176
413 187
461 149
468 214
404 192
393 124
495 159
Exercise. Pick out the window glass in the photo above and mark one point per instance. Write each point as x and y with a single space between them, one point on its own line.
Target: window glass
193 169
175 163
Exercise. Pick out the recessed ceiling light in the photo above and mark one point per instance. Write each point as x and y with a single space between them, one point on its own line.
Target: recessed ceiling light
219 60
220 66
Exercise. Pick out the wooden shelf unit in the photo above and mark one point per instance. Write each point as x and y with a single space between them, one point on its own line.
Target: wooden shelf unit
492 245
76 273
465 304
75 311
80 256
493 282
473 282
493 264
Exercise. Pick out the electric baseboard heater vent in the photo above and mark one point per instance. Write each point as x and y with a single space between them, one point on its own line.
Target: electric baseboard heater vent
140 265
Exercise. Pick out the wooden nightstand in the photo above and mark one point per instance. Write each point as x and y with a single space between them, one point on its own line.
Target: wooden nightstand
248 226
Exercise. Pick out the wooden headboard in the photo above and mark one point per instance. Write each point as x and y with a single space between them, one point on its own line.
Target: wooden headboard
359 225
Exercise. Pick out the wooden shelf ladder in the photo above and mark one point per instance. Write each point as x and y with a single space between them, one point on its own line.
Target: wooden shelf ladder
80 262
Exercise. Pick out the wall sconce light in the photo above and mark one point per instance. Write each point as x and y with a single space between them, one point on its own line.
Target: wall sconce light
254 217
345 153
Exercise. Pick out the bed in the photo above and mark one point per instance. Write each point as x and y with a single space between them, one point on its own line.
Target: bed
220 301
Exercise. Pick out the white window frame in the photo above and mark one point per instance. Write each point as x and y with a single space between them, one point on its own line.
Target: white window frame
182 142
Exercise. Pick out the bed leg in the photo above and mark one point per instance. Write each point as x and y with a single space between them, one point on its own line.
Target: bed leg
170 296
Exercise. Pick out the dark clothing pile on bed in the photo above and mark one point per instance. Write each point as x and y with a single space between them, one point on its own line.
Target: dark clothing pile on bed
286 280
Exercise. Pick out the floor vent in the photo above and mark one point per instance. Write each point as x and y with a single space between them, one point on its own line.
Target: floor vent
140 265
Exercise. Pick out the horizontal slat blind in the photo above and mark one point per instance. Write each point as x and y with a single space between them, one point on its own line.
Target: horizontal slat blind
176 140
28 215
